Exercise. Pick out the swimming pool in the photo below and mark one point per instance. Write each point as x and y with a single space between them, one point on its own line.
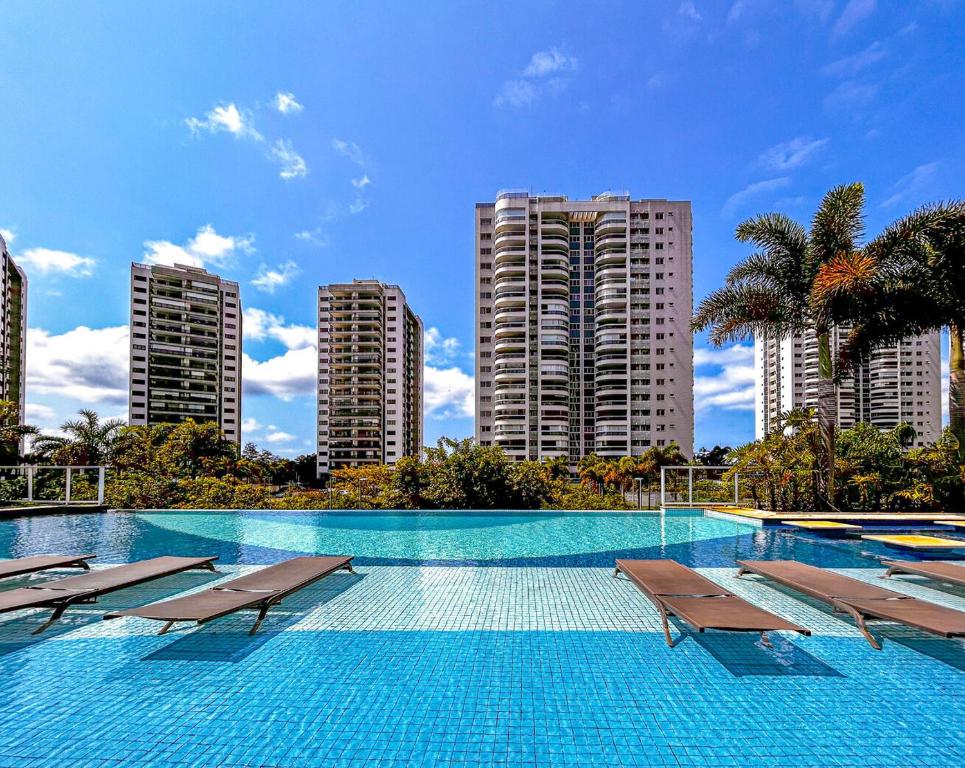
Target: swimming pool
482 639
514 539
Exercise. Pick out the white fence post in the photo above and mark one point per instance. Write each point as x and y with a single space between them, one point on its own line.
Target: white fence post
690 486
67 488
663 486
100 485
736 490
30 483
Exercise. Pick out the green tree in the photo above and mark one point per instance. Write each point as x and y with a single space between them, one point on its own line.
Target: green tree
908 280
85 441
768 294
192 449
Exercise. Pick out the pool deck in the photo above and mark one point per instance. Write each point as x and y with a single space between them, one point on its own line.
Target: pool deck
767 518
480 668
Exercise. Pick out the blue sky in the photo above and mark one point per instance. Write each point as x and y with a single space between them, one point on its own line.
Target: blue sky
286 145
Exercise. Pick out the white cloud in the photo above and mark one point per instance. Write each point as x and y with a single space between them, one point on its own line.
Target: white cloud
358 205
47 261
655 81
853 14
912 185
543 74
547 62
689 11
259 325
8 235
293 165
791 154
730 385
748 193
226 118
449 393
279 437
250 425
312 236
851 96
206 247
849 66
351 150
37 412
737 10
284 376
268 279
286 103
87 364
361 183
439 349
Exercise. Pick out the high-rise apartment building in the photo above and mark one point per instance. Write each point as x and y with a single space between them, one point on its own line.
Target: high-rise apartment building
13 330
370 350
583 325
898 383
185 348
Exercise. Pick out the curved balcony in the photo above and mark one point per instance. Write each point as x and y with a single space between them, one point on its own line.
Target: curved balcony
510 374
509 284
503 300
555 226
510 344
510 268
610 342
510 240
610 222
613 275
555 287
554 372
610 258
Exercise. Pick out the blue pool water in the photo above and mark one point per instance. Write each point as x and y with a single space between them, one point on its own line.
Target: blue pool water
430 538
474 640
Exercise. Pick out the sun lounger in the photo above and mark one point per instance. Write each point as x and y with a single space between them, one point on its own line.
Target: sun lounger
259 590
676 590
947 572
860 600
63 593
829 528
917 542
24 565
952 523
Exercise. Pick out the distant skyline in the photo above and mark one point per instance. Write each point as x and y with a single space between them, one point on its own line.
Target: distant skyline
290 145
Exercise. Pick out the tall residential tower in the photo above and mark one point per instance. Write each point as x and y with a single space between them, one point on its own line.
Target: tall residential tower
185 348
369 375
13 329
583 325
898 383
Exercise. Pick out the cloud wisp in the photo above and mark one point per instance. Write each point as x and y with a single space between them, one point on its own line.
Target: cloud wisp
286 103
724 378
207 247
269 279
912 185
791 154
546 73
740 198
48 261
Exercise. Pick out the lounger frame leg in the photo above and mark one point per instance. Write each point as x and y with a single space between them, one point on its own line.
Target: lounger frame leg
766 641
58 612
262 612
209 566
666 626
83 564
348 567
859 620
891 572
166 627
742 571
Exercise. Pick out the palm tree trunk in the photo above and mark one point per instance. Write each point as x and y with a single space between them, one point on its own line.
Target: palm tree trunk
956 385
827 412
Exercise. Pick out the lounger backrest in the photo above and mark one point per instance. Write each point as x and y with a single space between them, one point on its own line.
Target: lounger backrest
287 575
24 565
668 577
818 582
132 573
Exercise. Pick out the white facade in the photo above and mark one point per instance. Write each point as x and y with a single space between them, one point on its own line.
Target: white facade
370 350
13 330
185 348
899 383
583 325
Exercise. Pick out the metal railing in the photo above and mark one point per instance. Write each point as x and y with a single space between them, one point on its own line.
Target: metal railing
34 475
675 493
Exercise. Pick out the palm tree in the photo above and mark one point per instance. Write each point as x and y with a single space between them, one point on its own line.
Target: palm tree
12 432
908 280
85 441
768 294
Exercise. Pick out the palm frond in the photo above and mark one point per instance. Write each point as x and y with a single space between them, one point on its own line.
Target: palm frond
838 224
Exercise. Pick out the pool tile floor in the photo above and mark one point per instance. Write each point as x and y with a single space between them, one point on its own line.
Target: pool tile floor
422 666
